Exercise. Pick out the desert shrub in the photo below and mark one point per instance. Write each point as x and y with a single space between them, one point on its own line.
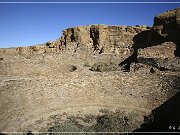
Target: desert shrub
67 126
71 125
86 64
71 68
110 121
107 121
104 67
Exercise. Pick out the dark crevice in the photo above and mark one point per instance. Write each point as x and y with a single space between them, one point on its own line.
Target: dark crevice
101 50
94 35
73 39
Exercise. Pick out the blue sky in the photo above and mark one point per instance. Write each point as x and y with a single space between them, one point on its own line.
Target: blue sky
30 24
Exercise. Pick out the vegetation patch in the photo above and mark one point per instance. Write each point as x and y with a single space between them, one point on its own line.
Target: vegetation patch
86 64
107 121
104 66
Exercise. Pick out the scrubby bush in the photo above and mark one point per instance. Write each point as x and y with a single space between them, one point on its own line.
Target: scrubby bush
67 126
86 64
107 121
104 67
110 121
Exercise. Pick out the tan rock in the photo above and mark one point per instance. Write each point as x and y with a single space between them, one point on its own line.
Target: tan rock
165 50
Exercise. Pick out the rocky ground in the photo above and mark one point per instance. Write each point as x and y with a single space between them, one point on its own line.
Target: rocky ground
94 78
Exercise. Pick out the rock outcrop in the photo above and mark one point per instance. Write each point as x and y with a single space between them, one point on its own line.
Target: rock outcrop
162 51
95 39
170 22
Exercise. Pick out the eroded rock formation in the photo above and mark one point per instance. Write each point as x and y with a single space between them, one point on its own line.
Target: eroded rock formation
171 26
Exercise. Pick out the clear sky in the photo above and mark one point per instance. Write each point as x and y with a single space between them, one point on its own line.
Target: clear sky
30 24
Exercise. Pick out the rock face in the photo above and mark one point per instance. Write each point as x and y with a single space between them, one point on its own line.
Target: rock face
86 76
96 39
162 51
102 39
170 21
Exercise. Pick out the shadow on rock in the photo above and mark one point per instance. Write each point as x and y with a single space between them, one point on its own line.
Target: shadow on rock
151 38
142 40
